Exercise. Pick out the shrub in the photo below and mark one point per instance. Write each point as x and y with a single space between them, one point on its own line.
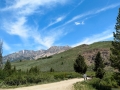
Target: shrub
117 78
52 70
15 80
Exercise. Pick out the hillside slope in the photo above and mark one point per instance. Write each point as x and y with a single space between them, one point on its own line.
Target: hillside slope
64 61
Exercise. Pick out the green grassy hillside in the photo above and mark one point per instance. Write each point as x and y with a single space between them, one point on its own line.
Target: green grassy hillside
62 61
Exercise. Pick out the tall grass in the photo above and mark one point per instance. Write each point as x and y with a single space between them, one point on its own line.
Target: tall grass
107 83
83 86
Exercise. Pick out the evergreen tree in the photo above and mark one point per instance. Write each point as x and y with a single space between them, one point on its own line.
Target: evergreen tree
99 66
80 65
14 69
100 73
7 66
34 70
52 70
115 56
98 62
1 43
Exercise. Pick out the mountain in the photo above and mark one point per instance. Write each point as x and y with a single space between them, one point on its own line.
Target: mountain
64 61
31 54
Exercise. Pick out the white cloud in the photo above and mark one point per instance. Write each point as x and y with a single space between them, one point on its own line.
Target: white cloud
95 38
78 23
31 5
17 28
92 12
47 40
17 24
78 17
6 46
108 7
57 20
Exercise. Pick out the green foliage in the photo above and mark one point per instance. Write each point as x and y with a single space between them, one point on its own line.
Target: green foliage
32 76
98 62
115 56
65 75
100 73
80 65
46 57
117 77
0 60
14 69
34 70
99 66
107 83
83 86
7 66
20 60
1 51
62 63
52 70
3 75
16 79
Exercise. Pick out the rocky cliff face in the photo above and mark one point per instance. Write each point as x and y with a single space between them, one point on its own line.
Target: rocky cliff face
31 55
53 50
91 54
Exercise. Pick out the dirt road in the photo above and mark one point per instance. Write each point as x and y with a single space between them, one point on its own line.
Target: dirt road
62 85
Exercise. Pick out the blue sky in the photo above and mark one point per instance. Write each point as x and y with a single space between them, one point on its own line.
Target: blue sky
40 24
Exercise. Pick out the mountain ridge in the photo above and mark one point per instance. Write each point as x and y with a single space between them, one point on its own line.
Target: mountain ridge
33 55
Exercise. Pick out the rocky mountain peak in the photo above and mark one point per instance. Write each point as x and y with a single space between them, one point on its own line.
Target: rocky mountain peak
31 54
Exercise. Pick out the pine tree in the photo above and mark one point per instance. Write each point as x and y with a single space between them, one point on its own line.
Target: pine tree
98 62
52 70
34 70
14 69
7 66
80 65
1 43
99 66
115 55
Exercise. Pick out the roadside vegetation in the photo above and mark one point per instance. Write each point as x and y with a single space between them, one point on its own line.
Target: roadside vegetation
10 77
102 79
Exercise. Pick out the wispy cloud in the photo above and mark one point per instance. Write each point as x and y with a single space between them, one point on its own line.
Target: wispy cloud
17 24
95 38
31 5
78 17
57 20
6 46
92 12
76 6
108 7
17 28
47 40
